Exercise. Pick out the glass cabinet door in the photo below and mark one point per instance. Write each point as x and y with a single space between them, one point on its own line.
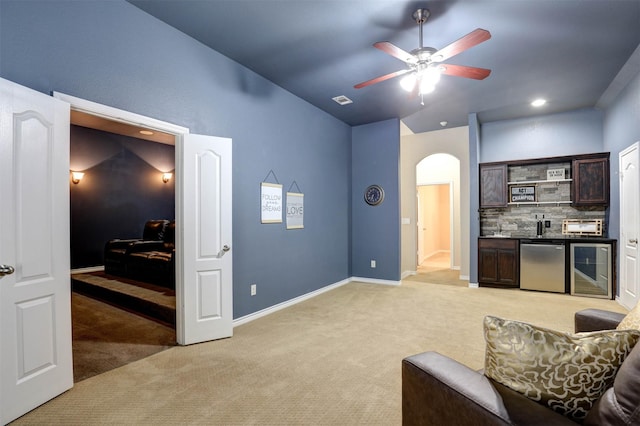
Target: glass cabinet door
590 270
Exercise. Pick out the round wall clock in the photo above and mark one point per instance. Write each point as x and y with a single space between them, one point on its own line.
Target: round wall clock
374 195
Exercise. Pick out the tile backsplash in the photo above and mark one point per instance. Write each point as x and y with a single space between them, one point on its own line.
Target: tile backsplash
519 220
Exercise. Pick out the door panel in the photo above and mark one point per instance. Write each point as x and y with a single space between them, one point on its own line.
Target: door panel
205 259
35 301
629 214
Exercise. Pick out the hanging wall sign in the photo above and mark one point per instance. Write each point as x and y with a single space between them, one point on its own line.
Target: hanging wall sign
295 210
271 202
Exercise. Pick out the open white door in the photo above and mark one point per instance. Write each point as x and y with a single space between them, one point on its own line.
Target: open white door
35 296
204 262
629 227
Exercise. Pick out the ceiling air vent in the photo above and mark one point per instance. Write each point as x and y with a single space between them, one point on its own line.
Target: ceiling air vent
342 100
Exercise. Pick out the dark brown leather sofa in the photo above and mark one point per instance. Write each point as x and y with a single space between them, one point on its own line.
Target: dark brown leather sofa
150 259
436 390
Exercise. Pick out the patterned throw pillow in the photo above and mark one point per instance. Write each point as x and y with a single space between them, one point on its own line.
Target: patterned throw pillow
631 321
566 372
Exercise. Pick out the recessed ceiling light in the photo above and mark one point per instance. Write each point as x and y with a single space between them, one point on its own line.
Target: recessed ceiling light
342 100
538 102
146 132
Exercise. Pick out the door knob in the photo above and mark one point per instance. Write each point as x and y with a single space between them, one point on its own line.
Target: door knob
6 270
222 252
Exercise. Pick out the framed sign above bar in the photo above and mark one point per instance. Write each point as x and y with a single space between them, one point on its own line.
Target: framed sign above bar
522 194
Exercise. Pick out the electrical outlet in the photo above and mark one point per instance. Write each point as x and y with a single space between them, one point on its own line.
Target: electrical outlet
373 263
253 289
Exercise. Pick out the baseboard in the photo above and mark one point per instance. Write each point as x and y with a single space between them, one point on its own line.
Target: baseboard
259 314
275 308
87 270
375 281
474 285
406 274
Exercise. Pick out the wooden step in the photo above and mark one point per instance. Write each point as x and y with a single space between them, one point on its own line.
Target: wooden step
147 300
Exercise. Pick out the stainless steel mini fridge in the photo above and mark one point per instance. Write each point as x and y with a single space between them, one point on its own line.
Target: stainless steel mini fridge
542 265
590 269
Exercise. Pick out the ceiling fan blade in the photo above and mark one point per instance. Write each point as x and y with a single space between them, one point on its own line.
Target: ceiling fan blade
381 78
396 52
464 71
474 38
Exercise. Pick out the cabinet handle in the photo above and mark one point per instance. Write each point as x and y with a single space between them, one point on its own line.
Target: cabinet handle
633 241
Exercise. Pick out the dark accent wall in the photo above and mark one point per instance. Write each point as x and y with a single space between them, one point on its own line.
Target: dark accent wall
122 188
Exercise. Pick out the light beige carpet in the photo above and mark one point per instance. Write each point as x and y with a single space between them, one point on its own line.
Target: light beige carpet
331 360
439 276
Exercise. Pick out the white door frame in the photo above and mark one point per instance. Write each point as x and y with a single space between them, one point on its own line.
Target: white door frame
127 117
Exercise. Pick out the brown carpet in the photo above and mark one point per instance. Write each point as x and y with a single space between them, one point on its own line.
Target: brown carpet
154 301
331 360
106 337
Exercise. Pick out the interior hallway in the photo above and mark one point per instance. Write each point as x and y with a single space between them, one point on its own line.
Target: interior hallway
438 261
437 270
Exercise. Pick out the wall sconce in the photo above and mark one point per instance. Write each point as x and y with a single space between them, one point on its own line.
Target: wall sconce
76 177
166 177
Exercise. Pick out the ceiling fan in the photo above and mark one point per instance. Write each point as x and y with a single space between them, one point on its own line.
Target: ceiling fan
424 64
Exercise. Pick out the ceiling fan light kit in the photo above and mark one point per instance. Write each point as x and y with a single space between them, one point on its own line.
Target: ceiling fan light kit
423 64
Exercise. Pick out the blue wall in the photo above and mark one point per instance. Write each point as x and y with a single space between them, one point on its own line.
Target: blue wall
474 202
569 133
112 53
621 129
375 230
122 188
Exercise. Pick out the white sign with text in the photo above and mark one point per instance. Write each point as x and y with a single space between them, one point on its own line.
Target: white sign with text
271 202
295 210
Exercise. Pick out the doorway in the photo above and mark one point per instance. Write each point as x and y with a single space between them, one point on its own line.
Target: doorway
204 212
118 318
434 226
438 214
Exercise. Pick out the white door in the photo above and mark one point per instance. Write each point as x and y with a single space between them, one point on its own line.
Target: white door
204 256
629 224
35 300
